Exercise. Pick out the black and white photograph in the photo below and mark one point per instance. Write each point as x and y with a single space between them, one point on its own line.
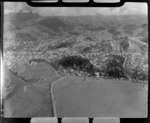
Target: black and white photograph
75 62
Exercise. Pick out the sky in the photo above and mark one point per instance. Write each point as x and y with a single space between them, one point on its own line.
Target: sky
126 9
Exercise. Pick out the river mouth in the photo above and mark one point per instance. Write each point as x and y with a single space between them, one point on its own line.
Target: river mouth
99 98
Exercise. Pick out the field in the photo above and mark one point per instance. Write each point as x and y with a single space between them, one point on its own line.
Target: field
29 99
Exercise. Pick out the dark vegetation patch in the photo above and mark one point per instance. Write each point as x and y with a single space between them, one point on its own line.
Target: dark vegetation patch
116 66
77 63
113 67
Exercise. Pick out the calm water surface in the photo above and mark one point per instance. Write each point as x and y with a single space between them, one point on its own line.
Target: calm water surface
99 98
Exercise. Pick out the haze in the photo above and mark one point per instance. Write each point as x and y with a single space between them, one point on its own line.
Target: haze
126 9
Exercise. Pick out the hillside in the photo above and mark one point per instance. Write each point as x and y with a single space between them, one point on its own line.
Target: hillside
54 24
20 18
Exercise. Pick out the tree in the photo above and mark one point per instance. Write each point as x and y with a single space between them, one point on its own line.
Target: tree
114 66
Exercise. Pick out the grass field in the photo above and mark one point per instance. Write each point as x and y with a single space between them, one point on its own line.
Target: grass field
38 70
30 99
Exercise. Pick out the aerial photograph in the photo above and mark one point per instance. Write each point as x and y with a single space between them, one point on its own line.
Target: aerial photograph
75 61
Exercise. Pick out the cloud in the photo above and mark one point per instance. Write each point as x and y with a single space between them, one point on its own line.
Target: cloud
15 7
127 8
134 8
